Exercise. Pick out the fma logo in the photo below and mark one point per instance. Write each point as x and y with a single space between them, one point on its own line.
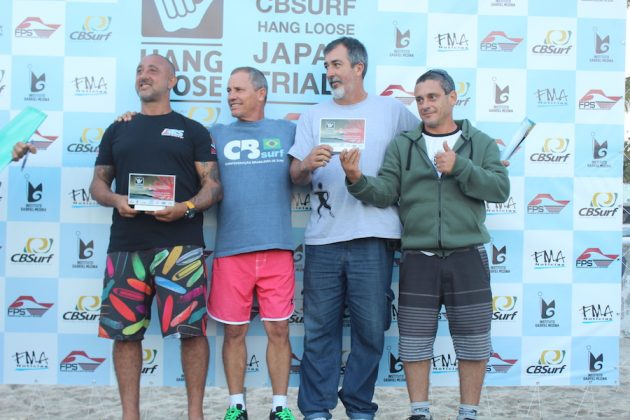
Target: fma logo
509 207
253 365
503 308
548 258
36 251
28 307
81 198
89 141
399 92
597 100
451 41
300 202
89 85
546 204
30 360
198 19
603 204
497 364
549 363
595 258
86 309
557 42
444 363
95 28
34 27
596 314
498 41
78 361
551 97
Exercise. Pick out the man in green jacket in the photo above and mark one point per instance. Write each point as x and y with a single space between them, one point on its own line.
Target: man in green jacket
440 175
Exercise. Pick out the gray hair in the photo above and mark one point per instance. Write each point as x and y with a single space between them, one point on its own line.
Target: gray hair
446 81
258 79
356 51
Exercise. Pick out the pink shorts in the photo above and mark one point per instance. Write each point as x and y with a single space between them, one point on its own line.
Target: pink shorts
235 279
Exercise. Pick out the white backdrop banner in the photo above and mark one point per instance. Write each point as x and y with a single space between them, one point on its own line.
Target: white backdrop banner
556 246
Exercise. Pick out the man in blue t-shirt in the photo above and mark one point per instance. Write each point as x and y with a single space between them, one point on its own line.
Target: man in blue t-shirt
254 244
156 252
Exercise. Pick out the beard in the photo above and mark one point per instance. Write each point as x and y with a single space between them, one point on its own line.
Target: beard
339 92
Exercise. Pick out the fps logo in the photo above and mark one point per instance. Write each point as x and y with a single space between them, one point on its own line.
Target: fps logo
546 204
35 251
498 364
549 363
182 19
498 41
554 150
557 42
78 361
86 309
34 27
595 258
597 100
95 28
603 204
503 308
28 307
89 141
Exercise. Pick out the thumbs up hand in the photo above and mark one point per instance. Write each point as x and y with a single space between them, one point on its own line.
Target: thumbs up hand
444 161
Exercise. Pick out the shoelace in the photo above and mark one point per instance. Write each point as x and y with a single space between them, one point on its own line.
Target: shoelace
233 413
285 414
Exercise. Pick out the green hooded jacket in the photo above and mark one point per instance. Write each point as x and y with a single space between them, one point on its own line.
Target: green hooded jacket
438 214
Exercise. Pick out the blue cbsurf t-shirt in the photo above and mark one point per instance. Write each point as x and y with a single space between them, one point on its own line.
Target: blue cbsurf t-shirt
255 213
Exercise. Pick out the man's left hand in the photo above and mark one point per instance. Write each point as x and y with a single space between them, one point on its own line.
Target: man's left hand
445 161
170 214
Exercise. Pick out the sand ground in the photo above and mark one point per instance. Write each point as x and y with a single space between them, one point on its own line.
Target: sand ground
498 403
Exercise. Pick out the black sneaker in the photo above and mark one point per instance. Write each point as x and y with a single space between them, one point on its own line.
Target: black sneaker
235 413
421 417
281 414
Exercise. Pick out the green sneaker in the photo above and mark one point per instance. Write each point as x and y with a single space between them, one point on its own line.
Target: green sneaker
235 413
281 414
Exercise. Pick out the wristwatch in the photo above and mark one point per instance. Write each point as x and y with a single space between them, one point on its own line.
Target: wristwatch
191 211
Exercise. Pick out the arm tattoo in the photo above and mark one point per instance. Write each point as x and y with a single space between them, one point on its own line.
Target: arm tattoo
106 173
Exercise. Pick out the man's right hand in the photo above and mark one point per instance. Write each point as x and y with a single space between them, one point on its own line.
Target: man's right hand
126 117
123 207
20 149
319 157
350 164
